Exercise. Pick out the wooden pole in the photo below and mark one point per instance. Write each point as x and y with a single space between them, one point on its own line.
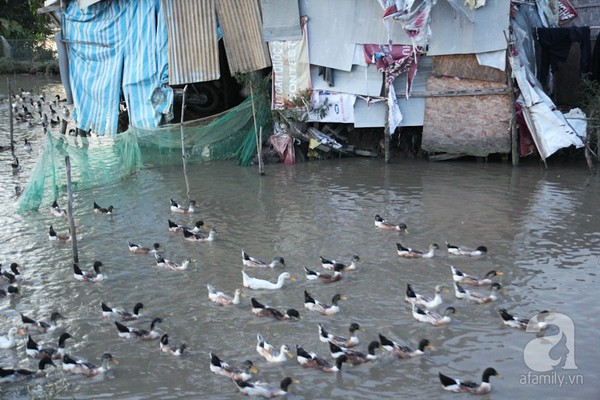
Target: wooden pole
183 158
261 167
386 133
257 135
10 118
70 212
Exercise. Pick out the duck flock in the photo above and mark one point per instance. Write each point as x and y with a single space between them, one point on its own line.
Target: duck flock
345 348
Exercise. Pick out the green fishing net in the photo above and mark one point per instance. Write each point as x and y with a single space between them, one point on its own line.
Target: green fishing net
97 161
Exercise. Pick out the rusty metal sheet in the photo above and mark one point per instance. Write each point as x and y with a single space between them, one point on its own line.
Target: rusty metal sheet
241 23
193 44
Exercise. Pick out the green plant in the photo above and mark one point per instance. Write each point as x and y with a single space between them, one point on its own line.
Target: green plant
591 97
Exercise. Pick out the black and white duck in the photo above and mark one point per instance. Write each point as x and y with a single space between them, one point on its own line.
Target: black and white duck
458 386
242 373
253 262
311 304
129 332
461 277
263 310
402 351
458 250
311 360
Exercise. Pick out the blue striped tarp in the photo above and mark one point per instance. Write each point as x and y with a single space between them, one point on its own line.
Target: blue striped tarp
116 48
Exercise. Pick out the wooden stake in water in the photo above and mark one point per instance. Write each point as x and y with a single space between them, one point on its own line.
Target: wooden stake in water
10 118
185 171
258 136
386 129
261 167
70 212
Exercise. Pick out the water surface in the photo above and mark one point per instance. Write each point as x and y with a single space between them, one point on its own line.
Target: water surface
540 226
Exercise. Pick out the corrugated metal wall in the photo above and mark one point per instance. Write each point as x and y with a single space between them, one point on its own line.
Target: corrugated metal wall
241 23
193 45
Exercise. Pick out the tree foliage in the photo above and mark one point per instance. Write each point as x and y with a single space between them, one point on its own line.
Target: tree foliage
19 20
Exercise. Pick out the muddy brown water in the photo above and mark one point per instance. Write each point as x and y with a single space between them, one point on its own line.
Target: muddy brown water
541 227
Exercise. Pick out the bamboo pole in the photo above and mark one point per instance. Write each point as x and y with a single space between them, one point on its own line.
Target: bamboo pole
72 230
183 158
10 118
258 136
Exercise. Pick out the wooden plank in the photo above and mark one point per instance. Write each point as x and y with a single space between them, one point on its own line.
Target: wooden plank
465 66
472 125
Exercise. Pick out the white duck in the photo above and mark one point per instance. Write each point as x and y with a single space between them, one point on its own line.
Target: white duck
424 301
9 340
269 352
462 293
254 283
218 297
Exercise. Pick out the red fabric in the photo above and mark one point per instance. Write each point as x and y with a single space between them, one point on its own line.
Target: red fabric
566 11
526 143
393 60
284 146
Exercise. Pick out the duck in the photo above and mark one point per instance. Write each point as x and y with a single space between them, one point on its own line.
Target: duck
10 291
102 210
431 317
390 226
252 262
137 249
266 311
27 146
16 167
269 352
81 276
165 347
351 341
254 283
32 349
463 278
408 252
14 375
355 357
9 340
14 274
41 326
520 322
11 277
465 251
333 265
112 312
424 301
404 352
264 389
55 237
311 360
198 237
57 211
458 386
220 367
324 277
221 298
314 305
128 332
174 227
88 369
462 293
177 208
168 264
